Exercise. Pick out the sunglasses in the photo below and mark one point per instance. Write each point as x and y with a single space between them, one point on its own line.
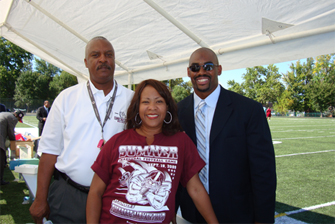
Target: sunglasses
207 67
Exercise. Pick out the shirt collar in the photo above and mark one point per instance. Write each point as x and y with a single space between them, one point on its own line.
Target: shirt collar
95 90
210 100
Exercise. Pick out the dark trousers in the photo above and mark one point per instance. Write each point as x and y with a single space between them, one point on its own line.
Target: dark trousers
3 163
40 128
67 204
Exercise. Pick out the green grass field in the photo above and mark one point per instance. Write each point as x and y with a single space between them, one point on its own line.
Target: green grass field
29 121
305 160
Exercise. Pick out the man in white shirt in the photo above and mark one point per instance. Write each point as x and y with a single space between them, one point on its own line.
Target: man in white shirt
82 118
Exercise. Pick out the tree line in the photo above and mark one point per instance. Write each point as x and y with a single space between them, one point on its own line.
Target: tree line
29 80
307 87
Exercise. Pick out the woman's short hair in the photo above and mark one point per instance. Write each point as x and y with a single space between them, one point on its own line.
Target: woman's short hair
133 119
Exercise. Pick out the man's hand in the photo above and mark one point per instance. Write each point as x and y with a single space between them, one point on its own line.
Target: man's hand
13 145
39 210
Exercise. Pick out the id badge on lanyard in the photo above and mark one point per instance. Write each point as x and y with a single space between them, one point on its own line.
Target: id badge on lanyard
101 141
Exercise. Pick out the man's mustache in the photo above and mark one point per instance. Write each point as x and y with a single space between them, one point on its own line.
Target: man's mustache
104 66
199 76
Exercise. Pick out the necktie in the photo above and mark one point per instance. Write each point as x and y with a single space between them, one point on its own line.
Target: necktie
200 129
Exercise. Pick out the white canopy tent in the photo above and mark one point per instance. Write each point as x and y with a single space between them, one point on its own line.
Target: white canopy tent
154 38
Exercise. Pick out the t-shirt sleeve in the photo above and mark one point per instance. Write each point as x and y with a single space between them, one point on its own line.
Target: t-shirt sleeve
102 164
192 161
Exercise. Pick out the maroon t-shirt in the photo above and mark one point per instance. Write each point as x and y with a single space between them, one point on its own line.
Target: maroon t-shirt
142 180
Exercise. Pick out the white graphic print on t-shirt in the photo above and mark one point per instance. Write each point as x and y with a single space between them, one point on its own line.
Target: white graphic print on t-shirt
146 180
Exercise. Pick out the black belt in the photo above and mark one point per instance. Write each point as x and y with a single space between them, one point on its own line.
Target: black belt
70 181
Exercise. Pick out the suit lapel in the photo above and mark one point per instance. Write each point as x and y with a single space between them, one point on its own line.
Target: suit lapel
187 117
222 113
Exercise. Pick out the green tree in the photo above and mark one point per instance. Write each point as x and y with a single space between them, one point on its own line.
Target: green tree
46 73
271 87
33 86
284 102
25 91
173 82
12 60
45 68
260 83
61 82
321 89
235 86
181 91
297 83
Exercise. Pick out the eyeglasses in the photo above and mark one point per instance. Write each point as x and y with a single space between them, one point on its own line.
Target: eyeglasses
207 67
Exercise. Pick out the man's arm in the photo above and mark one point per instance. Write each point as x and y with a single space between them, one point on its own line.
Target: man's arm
13 145
262 165
40 208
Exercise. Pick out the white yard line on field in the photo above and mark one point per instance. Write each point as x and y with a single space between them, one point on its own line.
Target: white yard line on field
299 126
304 130
280 139
305 153
30 125
281 217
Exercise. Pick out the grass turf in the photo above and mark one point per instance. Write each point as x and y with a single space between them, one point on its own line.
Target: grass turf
303 180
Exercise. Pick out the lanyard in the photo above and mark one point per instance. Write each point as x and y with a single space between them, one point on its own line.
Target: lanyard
101 142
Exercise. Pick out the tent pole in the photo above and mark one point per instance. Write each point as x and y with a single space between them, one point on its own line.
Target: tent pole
130 80
9 8
288 37
175 22
242 47
59 22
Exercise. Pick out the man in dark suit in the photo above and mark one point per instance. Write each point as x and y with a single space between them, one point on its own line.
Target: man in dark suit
41 115
240 174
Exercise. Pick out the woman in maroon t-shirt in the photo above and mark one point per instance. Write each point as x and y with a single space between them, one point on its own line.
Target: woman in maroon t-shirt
138 170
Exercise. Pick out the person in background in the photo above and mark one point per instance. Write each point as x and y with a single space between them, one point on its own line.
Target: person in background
41 115
82 118
138 170
8 122
268 113
233 138
2 108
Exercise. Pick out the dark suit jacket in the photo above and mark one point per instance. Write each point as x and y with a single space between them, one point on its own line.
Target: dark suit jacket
7 124
242 176
40 114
